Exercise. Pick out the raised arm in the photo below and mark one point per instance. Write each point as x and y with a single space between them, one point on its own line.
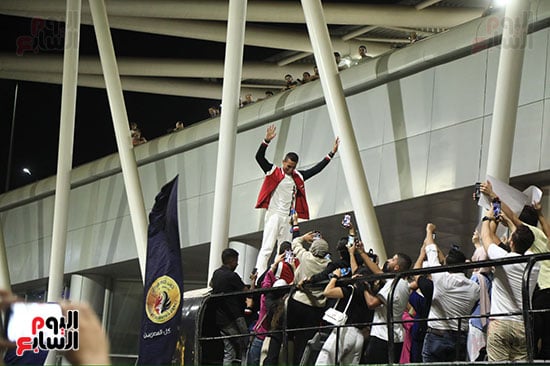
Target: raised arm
260 154
487 188
488 230
331 290
421 257
367 260
308 173
432 251
543 223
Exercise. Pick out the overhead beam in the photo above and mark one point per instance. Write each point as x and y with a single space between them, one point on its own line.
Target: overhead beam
261 36
293 58
358 32
403 29
384 40
151 67
163 86
270 12
425 4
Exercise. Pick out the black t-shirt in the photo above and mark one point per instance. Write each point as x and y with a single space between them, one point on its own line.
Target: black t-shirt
358 310
224 280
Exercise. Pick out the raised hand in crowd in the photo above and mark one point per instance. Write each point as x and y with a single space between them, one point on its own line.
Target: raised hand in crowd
93 343
543 223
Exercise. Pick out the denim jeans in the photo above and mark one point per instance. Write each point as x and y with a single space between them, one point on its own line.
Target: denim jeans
255 352
234 347
451 346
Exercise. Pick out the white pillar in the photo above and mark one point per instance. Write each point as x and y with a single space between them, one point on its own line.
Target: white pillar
512 52
247 258
64 157
228 131
341 124
5 282
65 151
122 129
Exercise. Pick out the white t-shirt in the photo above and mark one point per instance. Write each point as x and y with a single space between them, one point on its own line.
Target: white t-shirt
506 294
400 300
454 295
281 198
540 245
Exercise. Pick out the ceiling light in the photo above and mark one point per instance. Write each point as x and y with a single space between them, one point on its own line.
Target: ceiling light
26 171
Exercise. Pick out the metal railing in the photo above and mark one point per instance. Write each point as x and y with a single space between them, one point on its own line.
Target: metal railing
526 312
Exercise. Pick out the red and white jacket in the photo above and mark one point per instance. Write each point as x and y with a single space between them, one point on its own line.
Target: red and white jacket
274 176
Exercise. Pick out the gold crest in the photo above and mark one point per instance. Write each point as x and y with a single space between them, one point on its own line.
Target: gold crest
163 300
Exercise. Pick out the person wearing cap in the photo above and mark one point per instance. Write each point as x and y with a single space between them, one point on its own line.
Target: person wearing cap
306 306
282 193
454 296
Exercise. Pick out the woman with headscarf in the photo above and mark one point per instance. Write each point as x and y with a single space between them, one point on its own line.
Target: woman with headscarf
306 306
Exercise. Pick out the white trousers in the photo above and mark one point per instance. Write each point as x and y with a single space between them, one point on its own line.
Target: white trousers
349 348
276 229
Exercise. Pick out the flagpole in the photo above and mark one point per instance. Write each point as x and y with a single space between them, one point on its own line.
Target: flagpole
8 170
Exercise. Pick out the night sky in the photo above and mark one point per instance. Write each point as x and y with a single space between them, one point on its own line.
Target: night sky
37 115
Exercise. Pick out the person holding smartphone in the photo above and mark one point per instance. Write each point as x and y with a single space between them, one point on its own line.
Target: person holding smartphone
93 342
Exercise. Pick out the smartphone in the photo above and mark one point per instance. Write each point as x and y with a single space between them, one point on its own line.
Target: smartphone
289 256
345 271
477 191
496 209
22 317
346 221
254 270
316 235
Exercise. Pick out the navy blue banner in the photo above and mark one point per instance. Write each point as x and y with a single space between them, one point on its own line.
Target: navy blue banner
28 358
163 291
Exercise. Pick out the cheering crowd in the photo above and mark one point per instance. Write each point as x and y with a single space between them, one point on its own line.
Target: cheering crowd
442 316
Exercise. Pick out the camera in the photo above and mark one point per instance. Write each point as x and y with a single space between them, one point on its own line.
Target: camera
372 255
316 235
477 191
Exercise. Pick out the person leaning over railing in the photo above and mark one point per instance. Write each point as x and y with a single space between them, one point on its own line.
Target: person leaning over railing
541 297
420 298
506 334
306 306
454 296
230 311
377 348
350 344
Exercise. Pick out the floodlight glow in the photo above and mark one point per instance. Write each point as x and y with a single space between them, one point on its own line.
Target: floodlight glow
27 171
501 3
